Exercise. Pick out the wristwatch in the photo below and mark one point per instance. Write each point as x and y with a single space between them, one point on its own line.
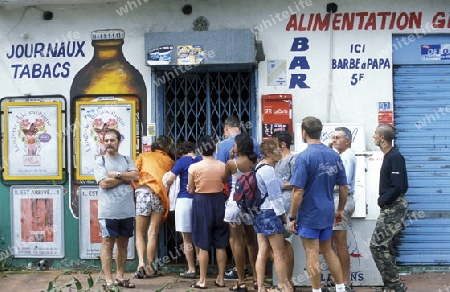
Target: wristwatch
118 175
292 218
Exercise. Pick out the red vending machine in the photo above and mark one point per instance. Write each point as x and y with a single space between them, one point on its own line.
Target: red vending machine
276 114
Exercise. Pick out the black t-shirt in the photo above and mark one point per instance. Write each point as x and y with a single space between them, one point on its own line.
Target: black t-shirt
393 177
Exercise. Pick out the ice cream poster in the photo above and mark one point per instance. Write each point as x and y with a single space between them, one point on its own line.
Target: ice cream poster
92 121
33 141
37 221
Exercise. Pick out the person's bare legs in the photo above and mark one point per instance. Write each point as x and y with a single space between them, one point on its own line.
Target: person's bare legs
189 251
332 261
141 232
152 239
106 257
237 244
263 254
249 233
221 258
276 242
121 256
203 258
289 259
340 242
311 247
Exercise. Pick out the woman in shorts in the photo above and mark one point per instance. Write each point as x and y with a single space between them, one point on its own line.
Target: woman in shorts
240 223
152 203
268 223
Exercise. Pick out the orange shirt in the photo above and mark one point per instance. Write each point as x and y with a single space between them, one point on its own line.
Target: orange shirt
152 166
207 175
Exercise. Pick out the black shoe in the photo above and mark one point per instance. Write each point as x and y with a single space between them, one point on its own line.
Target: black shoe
231 274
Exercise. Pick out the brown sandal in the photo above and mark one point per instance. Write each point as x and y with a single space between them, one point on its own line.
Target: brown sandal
125 283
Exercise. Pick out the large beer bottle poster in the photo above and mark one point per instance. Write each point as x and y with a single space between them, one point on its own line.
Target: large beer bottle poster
33 141
93 119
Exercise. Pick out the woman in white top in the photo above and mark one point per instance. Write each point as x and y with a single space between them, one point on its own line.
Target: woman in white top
241 224
268 223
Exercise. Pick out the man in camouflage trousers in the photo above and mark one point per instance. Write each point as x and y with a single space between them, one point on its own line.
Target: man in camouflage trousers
392 189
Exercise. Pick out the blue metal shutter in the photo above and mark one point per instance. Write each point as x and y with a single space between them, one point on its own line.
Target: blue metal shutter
422 120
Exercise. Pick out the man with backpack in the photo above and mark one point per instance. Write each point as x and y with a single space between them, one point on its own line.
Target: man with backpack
312 215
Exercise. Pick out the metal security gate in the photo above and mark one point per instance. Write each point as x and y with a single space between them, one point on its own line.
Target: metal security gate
196 104
422 120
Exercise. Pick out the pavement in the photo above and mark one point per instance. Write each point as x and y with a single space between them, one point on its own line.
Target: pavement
37 281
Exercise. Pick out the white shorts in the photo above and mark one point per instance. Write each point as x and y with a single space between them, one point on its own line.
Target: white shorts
235 215
183 215
349 209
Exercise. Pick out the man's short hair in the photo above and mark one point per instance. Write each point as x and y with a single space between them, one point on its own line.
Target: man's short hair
346 131
232 121
312 127
284 136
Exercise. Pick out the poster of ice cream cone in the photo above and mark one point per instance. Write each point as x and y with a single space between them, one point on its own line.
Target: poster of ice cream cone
33 140
37 221
90 232
93 119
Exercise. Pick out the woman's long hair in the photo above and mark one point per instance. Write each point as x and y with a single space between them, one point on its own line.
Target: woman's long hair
245 145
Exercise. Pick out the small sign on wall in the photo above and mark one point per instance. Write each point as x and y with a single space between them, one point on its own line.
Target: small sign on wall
276 114
37 221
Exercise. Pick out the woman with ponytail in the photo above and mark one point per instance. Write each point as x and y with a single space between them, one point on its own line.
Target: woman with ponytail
240 223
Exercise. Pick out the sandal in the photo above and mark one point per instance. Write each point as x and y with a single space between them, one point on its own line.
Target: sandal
239 287
154 274
125 283
108 286
140 273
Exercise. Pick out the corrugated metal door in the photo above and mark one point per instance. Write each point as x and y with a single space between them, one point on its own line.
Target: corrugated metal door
422 120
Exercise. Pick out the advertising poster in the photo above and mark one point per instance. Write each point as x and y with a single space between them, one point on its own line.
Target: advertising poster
276 114
37 221
90 232
190 55
92 120
161 55
33 141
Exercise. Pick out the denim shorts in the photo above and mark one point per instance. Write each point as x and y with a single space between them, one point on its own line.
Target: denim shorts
267 223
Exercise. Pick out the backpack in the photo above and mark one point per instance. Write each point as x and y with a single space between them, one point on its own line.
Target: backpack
246 192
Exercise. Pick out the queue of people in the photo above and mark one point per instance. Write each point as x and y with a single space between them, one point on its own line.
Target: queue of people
308 194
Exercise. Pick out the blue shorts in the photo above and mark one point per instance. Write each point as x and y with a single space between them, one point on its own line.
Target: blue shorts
267 223
321 234
117 227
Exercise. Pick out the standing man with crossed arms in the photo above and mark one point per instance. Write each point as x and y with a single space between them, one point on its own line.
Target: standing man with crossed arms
114 174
